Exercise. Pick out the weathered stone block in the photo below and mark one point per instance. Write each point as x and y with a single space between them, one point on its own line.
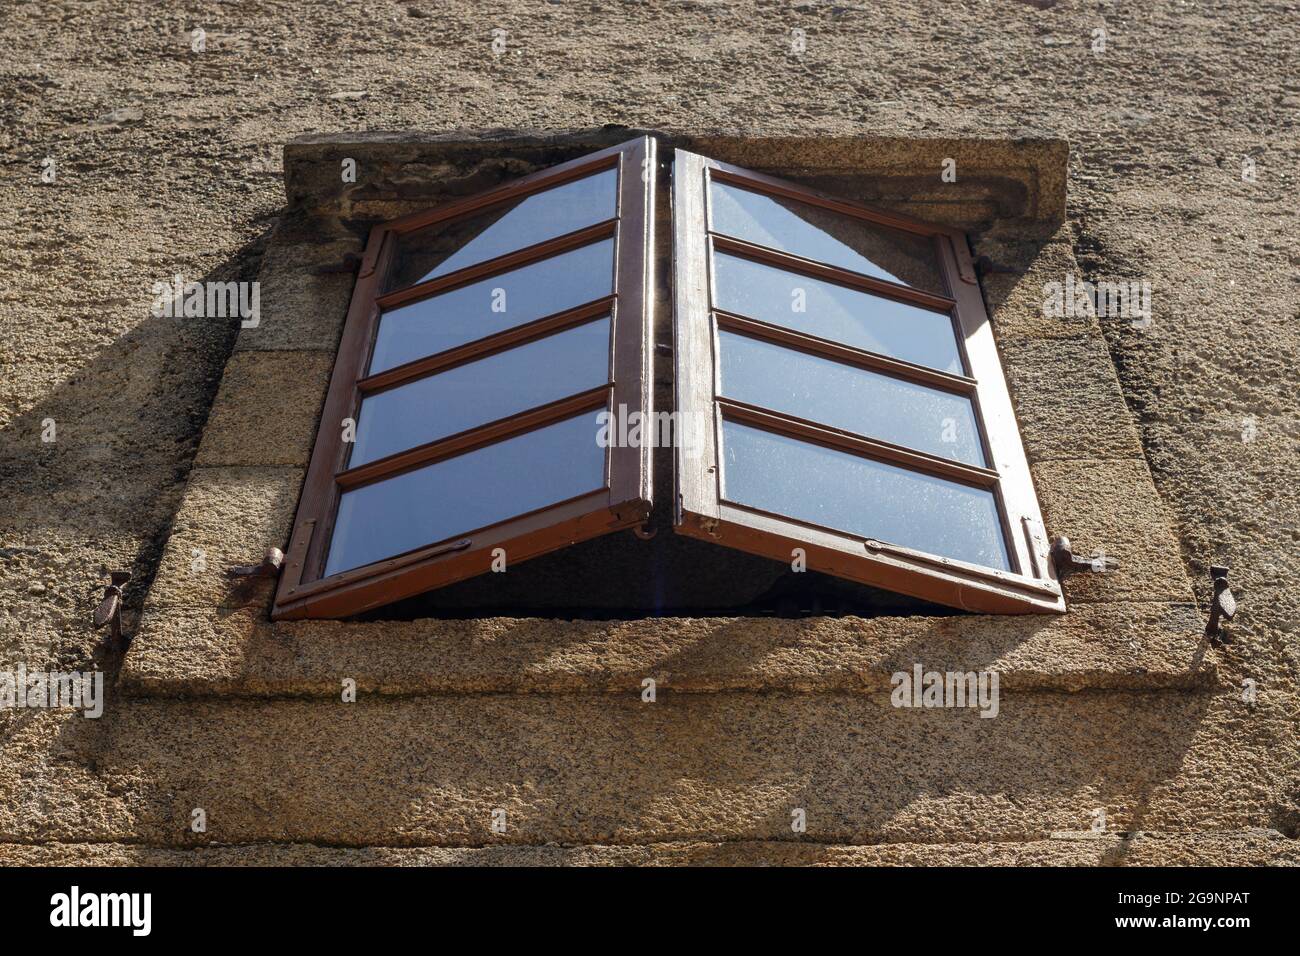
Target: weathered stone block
1112 506
1015 294
1068 400
302 307
229 516
267 409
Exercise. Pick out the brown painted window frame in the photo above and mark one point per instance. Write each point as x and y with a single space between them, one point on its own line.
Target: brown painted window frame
626 499
702 512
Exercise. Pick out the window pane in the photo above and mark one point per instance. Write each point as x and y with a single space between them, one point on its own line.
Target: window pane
834 312
446 247
463 494
802 229
862 497
844 396
493 305
479 392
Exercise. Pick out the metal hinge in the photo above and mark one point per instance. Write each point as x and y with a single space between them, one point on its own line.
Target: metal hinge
635 511
1067 562
272 561
1222 606
110 607
965 268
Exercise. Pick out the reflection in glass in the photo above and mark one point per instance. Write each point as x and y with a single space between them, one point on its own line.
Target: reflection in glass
446 247
844 396
805 230
861 497
834 312
479 392
471 491
493 305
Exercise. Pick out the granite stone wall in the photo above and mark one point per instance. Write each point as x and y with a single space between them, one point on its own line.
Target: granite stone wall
1174 445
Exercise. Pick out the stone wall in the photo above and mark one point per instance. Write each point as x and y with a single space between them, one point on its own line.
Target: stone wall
169 161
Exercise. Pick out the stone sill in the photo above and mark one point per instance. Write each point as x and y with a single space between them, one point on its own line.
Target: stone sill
242 653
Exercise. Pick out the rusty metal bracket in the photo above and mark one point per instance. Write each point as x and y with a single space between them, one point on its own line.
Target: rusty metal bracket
1222 606
272 561
1067 562
965 268
370 259
110 607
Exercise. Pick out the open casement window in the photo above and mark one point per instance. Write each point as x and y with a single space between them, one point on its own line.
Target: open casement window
484 341
838 369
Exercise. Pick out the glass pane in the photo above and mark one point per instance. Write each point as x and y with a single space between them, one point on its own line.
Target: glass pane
860 496
463 494
493 305
834 312
479 392
446 247
844 396
805 230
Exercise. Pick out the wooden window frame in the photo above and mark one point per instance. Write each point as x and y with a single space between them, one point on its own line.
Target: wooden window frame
701 510
626 499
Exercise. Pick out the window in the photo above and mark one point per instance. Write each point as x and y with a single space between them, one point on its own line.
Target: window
834 369
855 406
483 340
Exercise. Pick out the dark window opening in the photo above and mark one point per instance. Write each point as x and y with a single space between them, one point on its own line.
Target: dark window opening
622 576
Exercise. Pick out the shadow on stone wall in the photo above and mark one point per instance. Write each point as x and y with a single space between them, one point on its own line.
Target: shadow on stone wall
125 428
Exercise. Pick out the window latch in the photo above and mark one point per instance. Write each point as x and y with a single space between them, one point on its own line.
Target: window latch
269 568
1222 606
1067 562
110 607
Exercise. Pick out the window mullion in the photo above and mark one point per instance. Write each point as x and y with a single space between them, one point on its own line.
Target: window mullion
632 352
